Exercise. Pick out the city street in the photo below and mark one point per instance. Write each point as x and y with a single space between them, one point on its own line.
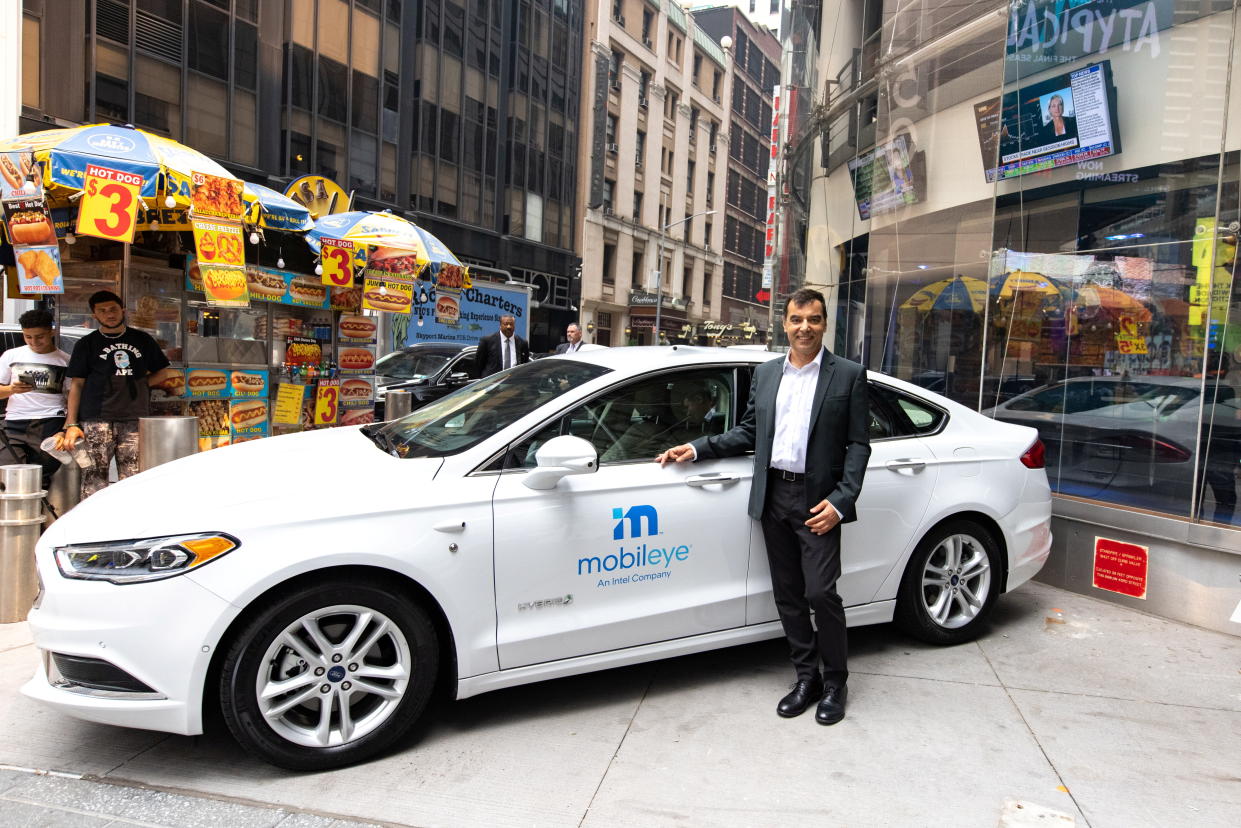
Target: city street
1070 711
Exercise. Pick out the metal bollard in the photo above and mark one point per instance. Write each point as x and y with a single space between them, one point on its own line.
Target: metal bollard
397 404
21 520
66 489
161 439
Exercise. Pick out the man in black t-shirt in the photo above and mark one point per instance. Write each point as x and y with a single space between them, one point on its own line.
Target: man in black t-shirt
110 374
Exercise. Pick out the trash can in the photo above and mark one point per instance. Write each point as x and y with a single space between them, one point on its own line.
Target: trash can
397 403
161 439
21 520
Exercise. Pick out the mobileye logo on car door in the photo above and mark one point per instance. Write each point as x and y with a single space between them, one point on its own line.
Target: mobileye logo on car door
637 561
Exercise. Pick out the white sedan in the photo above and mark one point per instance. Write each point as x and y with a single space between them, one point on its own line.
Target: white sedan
316 587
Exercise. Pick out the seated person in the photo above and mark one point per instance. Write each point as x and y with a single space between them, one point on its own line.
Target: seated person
647 412
692 400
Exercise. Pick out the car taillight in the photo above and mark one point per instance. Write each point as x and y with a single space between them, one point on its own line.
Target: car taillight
1035 456
1144 449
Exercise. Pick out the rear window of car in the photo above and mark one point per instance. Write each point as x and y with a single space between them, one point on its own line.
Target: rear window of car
895 414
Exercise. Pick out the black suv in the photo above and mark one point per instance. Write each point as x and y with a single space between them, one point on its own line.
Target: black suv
428 370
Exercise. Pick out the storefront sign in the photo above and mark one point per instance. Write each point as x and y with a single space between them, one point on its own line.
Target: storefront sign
109 204
38 270
337 262
479 311
1120 567
327 402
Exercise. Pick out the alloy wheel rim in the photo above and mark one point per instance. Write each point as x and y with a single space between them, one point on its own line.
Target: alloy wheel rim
956 581
333 676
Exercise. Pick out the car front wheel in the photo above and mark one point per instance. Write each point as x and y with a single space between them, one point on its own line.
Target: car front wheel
950 584
328 676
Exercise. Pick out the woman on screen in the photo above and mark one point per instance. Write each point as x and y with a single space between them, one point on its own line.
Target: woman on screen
1058 127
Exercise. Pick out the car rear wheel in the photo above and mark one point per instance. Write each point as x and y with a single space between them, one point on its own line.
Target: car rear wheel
950 584
328 676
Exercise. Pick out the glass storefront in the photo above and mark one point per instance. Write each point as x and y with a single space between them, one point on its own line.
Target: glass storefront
1034 210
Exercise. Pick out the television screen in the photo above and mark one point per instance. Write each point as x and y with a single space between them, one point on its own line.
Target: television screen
886 178
1059 121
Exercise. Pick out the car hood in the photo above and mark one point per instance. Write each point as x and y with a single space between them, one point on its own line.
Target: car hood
312 475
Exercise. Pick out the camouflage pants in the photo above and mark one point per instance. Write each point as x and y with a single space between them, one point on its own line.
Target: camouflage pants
105 440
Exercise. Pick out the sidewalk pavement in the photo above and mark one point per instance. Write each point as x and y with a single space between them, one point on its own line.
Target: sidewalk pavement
1069 711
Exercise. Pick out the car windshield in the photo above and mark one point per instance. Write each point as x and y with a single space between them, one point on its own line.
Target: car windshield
468 416
410 364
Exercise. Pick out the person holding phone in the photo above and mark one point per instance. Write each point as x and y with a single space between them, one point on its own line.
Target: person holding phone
32 380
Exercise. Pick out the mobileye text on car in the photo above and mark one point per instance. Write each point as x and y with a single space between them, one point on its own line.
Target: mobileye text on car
513 531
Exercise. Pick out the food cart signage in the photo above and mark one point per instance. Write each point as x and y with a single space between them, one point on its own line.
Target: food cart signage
288 410
1128 340
247 419
337 262
216 197
391 295
109 205
38 270
327 402
1120 567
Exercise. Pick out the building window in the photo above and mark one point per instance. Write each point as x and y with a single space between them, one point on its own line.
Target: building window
614 70
637 206
609 194
609 264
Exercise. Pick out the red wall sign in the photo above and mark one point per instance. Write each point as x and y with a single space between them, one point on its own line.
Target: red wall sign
1120 567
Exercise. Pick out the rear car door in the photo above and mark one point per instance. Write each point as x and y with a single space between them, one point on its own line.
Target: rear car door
900 479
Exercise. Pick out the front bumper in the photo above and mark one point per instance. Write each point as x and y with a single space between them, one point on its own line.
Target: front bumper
162 633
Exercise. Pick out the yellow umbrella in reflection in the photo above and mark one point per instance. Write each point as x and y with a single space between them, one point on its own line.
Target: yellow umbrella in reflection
960 293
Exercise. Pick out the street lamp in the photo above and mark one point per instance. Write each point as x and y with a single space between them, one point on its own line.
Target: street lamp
659 273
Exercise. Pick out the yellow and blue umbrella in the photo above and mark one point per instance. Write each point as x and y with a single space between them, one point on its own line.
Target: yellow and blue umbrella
386 230
269 209
960 293
166 166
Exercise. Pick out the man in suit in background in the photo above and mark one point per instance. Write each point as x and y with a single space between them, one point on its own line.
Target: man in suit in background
574 334
502 349
807 423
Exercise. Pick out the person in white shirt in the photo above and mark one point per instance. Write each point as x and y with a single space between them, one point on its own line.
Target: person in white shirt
32 380
808 424
574 334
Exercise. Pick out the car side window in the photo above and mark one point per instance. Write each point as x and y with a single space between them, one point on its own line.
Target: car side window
636 421
895 414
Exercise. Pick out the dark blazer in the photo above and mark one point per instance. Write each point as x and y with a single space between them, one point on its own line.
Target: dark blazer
488 360
839 435
563 347
1047 133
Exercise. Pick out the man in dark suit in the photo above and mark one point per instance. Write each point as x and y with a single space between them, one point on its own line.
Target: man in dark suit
574 336
807 423
502 349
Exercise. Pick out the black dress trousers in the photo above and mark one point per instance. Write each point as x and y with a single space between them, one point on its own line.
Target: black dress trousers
804 570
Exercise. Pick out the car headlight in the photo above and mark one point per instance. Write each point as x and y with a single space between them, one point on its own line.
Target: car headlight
144 559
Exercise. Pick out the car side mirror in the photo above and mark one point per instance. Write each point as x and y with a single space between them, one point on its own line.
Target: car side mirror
459 377
560 457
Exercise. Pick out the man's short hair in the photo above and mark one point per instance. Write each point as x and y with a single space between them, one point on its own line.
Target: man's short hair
573 325
804 296
36 318
99 297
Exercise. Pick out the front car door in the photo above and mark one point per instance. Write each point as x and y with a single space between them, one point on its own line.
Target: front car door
633 553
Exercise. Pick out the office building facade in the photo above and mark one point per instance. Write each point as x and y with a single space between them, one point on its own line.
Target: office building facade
653 163
462 116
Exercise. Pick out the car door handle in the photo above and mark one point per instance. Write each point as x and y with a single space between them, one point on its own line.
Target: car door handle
700 480
450 526
906 463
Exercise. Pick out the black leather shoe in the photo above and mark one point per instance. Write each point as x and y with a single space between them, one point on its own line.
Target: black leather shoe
805 693
832 708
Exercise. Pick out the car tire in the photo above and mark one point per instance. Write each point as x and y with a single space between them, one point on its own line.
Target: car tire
329 675
950 584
